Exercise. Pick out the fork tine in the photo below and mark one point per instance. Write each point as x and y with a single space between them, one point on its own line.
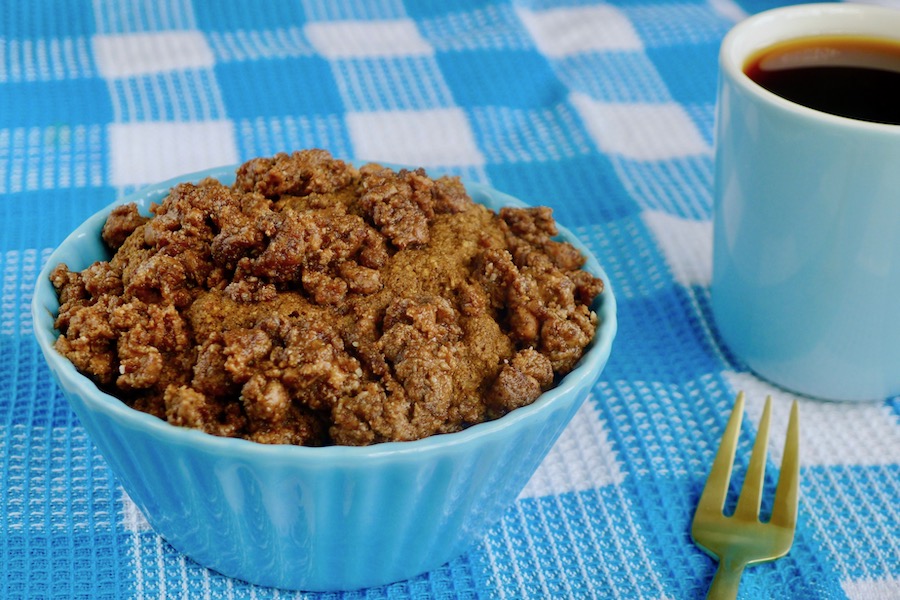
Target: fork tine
751 492
784 511
714 492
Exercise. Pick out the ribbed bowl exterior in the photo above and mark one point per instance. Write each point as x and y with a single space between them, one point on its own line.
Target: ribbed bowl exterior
316 519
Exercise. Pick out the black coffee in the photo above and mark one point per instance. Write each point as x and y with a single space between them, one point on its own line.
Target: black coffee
853 77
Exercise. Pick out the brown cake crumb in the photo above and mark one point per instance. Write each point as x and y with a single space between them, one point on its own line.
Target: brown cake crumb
315 303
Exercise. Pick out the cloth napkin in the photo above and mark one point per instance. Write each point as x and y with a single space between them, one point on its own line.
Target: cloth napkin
603 111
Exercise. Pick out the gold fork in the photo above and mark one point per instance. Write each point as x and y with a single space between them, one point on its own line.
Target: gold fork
741 539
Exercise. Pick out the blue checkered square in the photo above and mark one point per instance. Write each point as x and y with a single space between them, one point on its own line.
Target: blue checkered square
585 189
178 95
696 82
680 186
241 44
59 156
237 15
391 83
267 136
686 23
46 59
115 17
343 10
756 6
303 85
433 9
613 77
511 135
71 205
65 102
513 78
483 25
40 19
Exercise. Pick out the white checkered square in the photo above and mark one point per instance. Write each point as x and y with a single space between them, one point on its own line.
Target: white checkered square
427 138
641 131
830 432
151 152
133 520
885 588
562 32
184 95
582 458
367 39
686 244
118 16
127 55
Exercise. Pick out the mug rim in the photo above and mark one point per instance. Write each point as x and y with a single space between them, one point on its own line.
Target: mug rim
770 27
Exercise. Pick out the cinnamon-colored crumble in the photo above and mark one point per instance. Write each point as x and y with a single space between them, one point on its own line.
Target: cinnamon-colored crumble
315 303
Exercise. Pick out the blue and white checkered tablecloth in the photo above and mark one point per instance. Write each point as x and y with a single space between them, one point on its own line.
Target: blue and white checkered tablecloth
602 110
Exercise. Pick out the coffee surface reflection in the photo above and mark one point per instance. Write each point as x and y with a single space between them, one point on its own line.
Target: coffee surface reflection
854 77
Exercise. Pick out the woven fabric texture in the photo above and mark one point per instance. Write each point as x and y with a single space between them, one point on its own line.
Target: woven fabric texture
603 111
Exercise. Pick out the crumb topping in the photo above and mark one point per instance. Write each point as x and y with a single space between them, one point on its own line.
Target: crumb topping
315 303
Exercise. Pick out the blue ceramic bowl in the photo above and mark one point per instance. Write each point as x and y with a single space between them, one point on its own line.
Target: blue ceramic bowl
333 518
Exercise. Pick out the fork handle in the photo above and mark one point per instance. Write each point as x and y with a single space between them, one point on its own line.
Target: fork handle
725 584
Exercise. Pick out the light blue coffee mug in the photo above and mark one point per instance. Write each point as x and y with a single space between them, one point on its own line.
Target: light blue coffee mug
806 256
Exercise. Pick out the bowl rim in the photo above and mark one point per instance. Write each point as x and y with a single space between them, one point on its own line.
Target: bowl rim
45 305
